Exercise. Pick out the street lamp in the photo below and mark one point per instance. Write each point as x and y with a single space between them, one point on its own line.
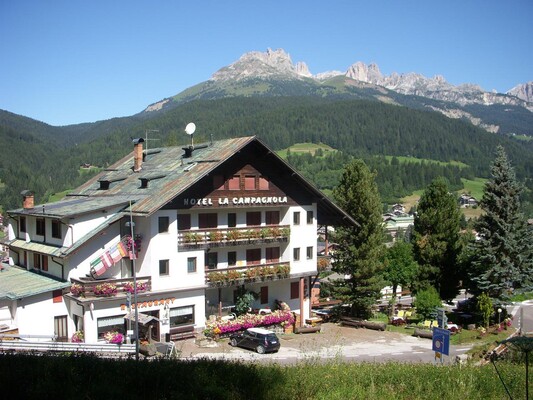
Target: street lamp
130 224
499 315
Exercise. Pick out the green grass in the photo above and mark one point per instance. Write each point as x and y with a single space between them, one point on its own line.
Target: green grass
85 377
403 159
58 196
523 297
305 148
473 187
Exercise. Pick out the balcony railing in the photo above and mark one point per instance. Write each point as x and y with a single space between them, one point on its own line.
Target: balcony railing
206 238
235 276
108 287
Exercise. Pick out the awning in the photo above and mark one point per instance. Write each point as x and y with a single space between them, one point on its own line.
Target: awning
143 318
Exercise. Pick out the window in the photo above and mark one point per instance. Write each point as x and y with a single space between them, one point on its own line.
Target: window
272 217
39 226
310 253
264 294
212 260
56 229
232 220
181 316
40 261
234 183
253 218
57 296
296 254
163 267
272 254
61 328
218 182
23 224
263 183
207 220
295 290
184 221
296 218
249 182
253 256
191 265
163 224
310 217
106 324
232 258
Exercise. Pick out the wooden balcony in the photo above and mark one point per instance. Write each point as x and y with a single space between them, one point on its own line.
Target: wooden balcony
235 276
208 238
90 288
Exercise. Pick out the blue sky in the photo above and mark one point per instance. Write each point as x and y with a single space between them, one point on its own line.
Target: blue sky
73 61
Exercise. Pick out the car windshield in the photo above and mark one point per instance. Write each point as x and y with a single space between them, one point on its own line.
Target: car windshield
271 337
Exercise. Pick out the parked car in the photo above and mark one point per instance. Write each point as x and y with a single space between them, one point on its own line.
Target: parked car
258 339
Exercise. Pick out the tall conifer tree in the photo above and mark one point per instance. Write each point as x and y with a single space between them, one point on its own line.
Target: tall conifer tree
360 249
503 254
436 242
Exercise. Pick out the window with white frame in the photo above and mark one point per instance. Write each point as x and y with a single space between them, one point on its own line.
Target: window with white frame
181 316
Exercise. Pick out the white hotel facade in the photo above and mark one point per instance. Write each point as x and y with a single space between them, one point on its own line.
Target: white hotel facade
207 221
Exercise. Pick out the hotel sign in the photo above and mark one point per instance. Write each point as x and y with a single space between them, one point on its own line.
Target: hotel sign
236 201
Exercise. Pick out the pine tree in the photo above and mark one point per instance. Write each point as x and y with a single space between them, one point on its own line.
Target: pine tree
360 248
503 255
436 242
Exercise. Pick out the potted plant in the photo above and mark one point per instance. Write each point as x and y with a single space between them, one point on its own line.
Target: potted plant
233 235
77 290
192 237
114 337
105 289
215 236
128 287
77 337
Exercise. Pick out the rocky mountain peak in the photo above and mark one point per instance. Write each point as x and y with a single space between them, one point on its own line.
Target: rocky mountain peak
523 91
256 64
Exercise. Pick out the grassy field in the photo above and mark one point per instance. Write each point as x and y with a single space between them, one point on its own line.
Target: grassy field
84 377
305 148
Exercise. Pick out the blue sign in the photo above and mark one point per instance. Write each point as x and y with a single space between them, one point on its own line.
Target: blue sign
441 341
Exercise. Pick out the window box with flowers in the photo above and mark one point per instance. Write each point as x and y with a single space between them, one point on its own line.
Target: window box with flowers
114 337
77 290
105 289
129 287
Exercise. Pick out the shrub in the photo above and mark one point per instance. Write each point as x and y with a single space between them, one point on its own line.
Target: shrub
427 301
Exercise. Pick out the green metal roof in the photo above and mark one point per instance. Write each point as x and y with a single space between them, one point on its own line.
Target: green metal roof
54 251
18 283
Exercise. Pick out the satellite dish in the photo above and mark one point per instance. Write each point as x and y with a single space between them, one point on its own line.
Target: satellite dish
190 128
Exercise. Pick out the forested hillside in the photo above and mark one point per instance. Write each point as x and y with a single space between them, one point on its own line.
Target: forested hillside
357 127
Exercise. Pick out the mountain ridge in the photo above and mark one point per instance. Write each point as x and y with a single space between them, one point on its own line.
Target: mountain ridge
273 73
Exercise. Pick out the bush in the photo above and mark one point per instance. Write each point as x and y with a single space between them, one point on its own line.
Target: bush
427 301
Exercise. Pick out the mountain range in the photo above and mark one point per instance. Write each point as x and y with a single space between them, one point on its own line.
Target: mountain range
272 73
360 111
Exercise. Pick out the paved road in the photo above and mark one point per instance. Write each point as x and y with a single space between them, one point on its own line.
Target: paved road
523 316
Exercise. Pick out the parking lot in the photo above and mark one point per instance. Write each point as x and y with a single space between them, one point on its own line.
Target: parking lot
334 342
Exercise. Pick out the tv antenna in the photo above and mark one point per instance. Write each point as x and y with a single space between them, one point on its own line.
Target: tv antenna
146 132
189 130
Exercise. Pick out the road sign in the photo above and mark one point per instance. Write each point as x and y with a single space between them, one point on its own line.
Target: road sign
441 317
441 341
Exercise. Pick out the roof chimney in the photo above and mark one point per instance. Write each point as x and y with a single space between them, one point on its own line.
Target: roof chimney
137 154
28 200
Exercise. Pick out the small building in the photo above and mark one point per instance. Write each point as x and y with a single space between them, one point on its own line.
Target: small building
191 226
466 200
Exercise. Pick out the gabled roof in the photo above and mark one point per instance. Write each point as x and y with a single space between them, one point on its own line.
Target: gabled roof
17 283
166 173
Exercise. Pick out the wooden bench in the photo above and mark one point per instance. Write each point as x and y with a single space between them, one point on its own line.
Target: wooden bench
181 332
